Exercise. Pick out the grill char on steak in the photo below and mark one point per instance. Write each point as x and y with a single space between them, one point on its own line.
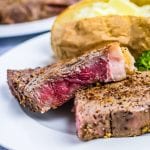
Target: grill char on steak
18 79
117 109
52 86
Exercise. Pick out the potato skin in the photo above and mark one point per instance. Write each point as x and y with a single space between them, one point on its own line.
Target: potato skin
74 38
141 2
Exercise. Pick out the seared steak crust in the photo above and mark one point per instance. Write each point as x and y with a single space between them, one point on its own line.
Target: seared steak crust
18 79
117 109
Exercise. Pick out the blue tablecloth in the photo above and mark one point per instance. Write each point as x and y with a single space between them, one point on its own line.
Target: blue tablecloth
2 148
7 44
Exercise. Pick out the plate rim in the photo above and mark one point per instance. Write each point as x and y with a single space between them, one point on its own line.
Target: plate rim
38 26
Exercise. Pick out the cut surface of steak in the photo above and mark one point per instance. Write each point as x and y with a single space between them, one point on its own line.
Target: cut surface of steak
58 83
114 110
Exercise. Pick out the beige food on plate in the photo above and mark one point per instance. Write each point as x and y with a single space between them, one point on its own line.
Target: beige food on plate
83 35
91 24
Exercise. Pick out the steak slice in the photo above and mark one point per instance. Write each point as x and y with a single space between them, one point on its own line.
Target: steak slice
18 79
54 85
16 11
114 110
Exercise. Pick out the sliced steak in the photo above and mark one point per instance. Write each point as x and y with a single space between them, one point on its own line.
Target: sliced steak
18 79
61 2
114 110
16 11
58 83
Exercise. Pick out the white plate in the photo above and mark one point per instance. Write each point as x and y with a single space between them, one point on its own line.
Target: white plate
23 130
26 28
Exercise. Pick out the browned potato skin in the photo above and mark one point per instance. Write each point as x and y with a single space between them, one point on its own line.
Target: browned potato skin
141 2
72 39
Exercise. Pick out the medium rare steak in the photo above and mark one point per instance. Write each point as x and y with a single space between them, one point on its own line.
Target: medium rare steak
114 110
54 85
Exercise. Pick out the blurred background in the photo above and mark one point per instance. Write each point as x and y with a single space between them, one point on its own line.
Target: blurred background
24 19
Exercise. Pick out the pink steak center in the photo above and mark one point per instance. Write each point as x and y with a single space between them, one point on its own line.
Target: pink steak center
58 92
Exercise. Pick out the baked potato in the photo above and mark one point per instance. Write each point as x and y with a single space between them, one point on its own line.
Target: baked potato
90 24
141 2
